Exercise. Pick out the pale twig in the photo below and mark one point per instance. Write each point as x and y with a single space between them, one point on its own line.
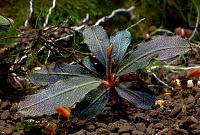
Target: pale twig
135 23
49 13
114 12
159 80
65 37
102 20
30 13
86 18
180 68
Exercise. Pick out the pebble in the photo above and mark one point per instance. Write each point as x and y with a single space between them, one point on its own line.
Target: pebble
2 123
13 108
125 129
90 127
125 134
166 131
113 133
5 114
6 131
81 132
17 116
150 131
137 132
19 133
190 100
176 110
193 119
180 132
102 131
141 127
81 122
5 105
113 127
99 125
158 126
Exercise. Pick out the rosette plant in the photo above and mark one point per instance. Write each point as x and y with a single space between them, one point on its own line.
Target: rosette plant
87 85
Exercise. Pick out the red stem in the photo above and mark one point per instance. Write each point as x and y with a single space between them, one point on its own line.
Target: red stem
109 63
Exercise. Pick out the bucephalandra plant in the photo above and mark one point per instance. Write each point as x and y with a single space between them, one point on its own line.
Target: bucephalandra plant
87 86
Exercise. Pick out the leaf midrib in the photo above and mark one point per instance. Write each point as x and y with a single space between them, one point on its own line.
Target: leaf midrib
59 93
99 45
145 54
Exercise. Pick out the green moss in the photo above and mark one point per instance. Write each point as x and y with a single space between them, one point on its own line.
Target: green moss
72 11
26 126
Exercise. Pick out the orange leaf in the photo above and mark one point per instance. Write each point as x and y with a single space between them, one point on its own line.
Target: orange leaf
63 111
193 73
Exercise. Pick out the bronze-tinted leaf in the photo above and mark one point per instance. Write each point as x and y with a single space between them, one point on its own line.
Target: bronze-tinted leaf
63 92
93 103
56 71
97 40
159 47
136 94
121 41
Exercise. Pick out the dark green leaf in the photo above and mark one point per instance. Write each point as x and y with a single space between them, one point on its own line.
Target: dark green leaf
93 103
159 47
136 94
52 73
88 64
97 40
121 41
63 92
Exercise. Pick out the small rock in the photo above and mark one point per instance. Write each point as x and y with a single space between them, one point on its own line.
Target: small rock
19 133
198 102
113 134
17 116
165 131
176 110
180 132
193 119
5 105
81 122
141 117
10 126
137 132
158 126
102 131
50 129
5 114
190 100
6 131
113 127
100 125
150 131
90 127
166 122
2 123
125 129
125 134
141 127
81 132
195 127
13 108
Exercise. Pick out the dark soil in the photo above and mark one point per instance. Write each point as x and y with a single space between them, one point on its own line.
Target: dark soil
177 112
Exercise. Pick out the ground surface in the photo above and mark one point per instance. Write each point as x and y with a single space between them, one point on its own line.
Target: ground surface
179 114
